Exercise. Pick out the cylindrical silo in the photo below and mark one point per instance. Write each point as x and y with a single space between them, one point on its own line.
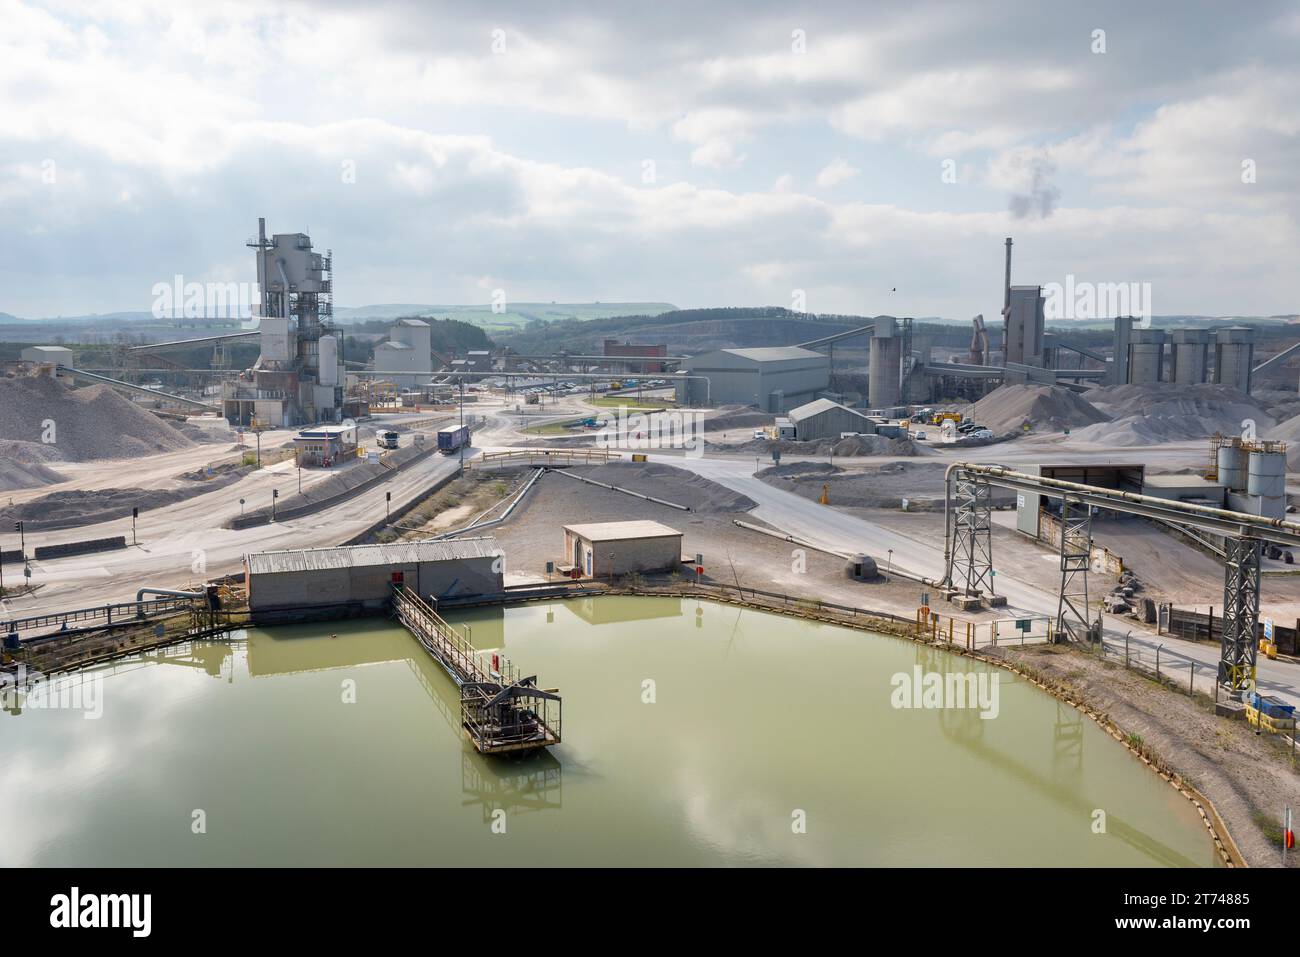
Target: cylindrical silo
885 365
1234 355
1267 474
1146 356
1190 355
1232 466
1267 480
329 361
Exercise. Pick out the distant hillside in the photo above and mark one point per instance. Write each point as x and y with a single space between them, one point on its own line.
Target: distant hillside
516 316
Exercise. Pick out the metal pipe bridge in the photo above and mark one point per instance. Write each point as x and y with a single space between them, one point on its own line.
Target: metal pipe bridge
968 552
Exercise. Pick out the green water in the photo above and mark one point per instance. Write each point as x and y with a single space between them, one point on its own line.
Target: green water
758 722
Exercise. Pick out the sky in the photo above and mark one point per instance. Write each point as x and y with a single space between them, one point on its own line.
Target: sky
844 157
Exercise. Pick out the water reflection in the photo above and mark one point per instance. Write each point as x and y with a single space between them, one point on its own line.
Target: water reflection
530 781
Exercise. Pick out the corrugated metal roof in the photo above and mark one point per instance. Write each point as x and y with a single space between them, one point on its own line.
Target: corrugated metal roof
624 531
818 406
360 556
774 353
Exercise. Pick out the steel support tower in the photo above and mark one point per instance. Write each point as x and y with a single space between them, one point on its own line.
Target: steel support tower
972 563
1240 614
1076 555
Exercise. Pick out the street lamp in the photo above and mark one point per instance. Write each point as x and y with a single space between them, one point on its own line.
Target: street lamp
889 562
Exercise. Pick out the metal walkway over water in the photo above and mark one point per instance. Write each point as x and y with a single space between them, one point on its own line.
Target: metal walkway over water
500 711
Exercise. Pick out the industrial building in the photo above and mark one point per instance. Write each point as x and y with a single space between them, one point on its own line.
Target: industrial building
824 419
1189 356
298 377
599 549
326 445
47 355
614 348
1234 357
885 363
406 357
361 577
774 379
1025 322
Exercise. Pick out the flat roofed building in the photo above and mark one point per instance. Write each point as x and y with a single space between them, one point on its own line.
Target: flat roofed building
774 379
600 549
47 355
363 575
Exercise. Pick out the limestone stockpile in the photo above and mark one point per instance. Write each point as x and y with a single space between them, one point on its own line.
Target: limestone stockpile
1044 407
1168 412
81 425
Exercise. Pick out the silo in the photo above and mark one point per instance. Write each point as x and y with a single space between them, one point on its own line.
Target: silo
1267 481
1234 355
1190 355
329 361
885 365
1146 356
1232 466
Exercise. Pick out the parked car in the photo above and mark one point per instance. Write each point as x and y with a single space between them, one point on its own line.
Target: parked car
982 434
760 434
919 436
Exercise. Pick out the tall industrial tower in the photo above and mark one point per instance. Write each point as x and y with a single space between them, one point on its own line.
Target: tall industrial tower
298 377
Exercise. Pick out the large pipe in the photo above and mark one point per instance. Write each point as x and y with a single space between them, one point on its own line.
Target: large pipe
165 593
1219 519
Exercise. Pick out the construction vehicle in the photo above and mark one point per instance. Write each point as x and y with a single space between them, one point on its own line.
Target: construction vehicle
941 417
387 440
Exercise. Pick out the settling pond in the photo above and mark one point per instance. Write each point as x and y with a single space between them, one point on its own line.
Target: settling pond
694 734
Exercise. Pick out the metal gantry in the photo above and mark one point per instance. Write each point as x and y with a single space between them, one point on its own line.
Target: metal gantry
1076 556
1240 614
973 536
969 560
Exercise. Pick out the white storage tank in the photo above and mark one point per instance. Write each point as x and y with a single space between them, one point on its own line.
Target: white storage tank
1231 462
329 361
1267 474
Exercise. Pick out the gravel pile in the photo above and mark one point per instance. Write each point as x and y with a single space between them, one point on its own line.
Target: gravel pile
1044 407
738 417
90 423
882 486
1167 412
668 483
853 445
22 465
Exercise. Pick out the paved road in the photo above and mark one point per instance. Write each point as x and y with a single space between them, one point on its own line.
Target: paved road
839 531
185 543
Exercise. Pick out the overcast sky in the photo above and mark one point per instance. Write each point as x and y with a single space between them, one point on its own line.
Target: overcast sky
704 154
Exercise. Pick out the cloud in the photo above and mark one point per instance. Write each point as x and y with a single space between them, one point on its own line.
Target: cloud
171 128
835 172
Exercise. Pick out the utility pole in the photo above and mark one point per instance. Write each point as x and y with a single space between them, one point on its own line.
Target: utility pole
275 493
462 425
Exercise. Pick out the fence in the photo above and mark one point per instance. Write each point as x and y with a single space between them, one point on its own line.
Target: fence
1205 626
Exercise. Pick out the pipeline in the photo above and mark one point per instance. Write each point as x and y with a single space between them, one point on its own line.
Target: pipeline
627 491
804 543
166 593
477 523
1258 523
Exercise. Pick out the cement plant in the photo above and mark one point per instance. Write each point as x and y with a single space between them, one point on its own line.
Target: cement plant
547 583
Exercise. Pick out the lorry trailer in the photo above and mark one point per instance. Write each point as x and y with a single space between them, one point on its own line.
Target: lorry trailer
452 438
